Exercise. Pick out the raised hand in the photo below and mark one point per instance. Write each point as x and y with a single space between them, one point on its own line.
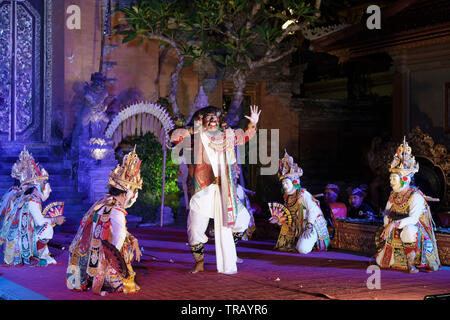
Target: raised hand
254 115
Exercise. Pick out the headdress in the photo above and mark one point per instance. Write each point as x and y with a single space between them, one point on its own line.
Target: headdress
203 112
26 170
288 168
127 176
358 192
98 76
404 163
333 187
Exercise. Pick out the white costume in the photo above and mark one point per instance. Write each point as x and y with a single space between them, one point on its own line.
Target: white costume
207 204
407 239
313 215
6 197
24 230
306 226
45 229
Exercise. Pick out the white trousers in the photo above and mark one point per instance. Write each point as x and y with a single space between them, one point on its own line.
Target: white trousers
204 205
305 245
45 234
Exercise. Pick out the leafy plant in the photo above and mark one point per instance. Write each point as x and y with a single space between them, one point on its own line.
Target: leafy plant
238 35
150 152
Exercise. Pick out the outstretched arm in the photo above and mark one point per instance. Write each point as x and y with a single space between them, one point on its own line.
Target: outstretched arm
244 137
254 115
178 135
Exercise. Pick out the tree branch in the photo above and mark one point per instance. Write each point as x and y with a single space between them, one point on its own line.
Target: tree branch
255 10
268 59
291 28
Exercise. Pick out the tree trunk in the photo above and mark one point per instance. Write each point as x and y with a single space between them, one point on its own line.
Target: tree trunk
240 81
175 74
174 86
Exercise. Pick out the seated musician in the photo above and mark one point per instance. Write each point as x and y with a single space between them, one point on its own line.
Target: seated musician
330 195
358 208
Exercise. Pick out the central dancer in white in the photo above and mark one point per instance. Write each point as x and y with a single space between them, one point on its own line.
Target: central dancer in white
212 188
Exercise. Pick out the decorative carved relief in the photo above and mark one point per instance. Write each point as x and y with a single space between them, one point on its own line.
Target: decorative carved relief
355 237
443 244
423 146
22 59
361 238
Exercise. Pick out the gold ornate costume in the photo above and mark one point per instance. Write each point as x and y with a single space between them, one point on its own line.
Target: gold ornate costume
94 260
412 242
304 210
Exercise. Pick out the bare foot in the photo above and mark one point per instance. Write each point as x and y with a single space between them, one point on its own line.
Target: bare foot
413 270
198 267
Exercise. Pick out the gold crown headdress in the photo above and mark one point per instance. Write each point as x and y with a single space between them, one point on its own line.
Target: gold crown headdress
26 170
288 168
404 163
128 175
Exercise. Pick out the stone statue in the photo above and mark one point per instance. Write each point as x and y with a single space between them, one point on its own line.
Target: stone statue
91 151
94 118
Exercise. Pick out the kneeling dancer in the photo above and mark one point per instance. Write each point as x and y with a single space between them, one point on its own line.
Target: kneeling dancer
24 230
102 250
407 240
306 226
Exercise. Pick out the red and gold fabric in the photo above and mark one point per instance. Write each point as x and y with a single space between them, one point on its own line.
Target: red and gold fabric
392 253
91 258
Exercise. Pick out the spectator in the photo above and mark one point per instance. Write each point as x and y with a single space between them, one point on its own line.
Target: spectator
330 195
358 208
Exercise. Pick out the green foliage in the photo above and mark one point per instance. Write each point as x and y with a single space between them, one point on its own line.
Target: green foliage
226 31
150 152
237 35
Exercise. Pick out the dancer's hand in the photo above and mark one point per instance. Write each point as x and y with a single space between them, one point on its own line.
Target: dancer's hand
59 220
387 231
137 250
254 115
273 219
308 231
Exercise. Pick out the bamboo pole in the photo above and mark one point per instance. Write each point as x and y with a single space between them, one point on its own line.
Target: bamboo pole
164 182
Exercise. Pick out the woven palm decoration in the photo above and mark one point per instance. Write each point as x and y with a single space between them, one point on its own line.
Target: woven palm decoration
115 259
138 119
54 209
280 214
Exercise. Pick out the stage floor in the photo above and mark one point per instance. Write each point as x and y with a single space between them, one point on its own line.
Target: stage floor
265 275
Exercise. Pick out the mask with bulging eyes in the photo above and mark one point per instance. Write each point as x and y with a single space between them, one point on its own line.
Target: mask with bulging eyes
131 198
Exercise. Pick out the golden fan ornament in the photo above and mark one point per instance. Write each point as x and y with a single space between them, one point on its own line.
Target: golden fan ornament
54 209
280 214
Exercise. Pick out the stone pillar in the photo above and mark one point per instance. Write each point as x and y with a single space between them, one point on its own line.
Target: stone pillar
400 97
93 177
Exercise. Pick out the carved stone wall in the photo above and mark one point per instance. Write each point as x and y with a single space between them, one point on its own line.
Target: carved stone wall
424 146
